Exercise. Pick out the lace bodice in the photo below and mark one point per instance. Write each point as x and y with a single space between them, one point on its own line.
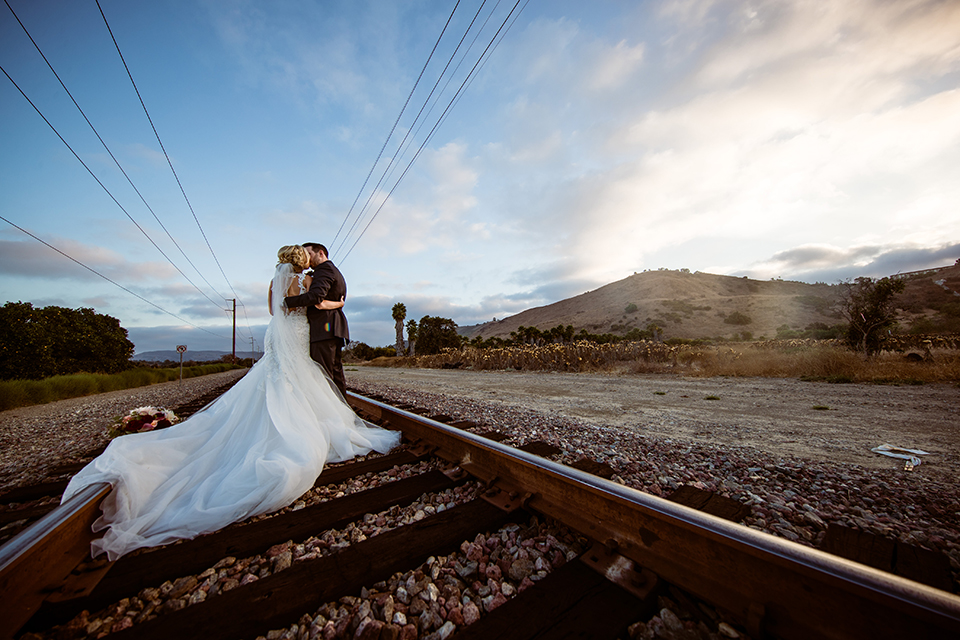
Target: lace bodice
300 311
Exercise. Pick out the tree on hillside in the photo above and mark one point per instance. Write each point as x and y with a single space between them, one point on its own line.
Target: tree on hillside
399 314
436 334
868 305
39 343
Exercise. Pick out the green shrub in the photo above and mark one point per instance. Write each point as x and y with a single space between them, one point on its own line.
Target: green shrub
738 318
24 393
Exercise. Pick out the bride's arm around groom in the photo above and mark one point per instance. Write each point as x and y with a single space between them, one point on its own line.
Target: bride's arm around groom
328 327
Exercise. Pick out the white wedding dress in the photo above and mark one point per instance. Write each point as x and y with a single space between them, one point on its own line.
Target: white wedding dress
256 449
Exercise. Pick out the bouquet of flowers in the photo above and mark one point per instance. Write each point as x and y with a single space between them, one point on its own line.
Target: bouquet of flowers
143 419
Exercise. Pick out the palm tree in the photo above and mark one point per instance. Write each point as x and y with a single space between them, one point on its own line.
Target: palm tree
399 314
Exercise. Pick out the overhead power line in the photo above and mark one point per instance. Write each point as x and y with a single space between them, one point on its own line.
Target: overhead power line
410 129
166 155
116 284
483 56
120 167
395 122
104 187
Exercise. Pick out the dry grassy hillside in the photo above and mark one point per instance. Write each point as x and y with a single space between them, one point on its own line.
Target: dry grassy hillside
696 305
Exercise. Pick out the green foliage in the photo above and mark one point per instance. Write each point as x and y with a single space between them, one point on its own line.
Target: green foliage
821 305
868 306
363 351
630 308
738 318
412 330
39 343
24 393
561 334
946 320
436 334
684 307
815 330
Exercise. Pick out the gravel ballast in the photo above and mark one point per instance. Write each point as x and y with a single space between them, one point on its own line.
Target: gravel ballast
748 456
35 439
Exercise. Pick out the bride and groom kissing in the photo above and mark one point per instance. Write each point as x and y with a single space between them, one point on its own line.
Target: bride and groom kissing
329 332
257 448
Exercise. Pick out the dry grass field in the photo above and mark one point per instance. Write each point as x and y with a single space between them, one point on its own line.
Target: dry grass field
801 359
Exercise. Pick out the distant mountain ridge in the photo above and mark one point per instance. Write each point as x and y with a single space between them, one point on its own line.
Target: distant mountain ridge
699 305
196 356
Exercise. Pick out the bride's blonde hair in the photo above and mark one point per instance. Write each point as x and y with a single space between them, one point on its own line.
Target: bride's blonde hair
295 255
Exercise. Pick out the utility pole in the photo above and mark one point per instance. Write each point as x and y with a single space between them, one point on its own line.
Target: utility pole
234 329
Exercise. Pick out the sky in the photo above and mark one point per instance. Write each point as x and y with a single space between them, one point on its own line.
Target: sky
563 146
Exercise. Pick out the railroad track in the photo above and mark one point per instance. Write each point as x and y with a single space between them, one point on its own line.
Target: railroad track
457 528
22 506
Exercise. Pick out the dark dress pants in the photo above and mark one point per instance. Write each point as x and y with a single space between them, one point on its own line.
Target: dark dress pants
328 353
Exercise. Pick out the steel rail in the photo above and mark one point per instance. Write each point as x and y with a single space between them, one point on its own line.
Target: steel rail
40 557
773 586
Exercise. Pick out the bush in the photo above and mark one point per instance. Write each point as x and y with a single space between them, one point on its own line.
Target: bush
24 393
361 352
738 318
50 341
868 305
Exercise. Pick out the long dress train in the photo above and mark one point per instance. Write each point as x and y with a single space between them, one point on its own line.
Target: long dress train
255 450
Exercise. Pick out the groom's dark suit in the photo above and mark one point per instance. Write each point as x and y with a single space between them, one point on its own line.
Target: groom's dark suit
328 328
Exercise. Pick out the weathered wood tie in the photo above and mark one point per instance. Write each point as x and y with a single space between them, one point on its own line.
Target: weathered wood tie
131 573
279 600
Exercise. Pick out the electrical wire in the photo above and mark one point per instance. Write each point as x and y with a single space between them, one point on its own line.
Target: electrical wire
166 155
120 167
434 129
116 284
406 136
103 186
395 122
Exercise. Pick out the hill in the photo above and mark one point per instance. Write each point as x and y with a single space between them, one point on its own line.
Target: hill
698 305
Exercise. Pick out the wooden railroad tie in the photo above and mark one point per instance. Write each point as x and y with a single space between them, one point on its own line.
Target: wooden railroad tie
131 573
540 448
708 502
280 599
915 563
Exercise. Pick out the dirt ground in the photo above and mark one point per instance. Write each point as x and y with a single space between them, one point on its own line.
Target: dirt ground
836 423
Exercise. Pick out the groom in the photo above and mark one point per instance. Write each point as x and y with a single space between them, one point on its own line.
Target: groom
328 328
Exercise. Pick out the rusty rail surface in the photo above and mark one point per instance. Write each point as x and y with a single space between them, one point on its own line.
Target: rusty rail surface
771 586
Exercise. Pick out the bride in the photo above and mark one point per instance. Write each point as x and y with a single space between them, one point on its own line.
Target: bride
256 449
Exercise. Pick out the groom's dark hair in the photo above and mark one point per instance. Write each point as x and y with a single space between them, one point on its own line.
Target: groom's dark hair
316 246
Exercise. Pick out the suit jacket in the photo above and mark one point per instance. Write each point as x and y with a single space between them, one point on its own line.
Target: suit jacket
328 284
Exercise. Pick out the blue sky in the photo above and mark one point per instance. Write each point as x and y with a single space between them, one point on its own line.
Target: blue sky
801 140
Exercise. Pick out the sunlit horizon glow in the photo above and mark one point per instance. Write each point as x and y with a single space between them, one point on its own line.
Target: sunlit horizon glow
795 140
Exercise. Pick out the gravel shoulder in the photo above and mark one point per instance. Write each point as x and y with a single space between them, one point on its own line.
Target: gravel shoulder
33 439
759 441
778 417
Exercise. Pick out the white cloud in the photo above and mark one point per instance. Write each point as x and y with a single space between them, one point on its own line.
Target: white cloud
828 263
30 259
797 112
